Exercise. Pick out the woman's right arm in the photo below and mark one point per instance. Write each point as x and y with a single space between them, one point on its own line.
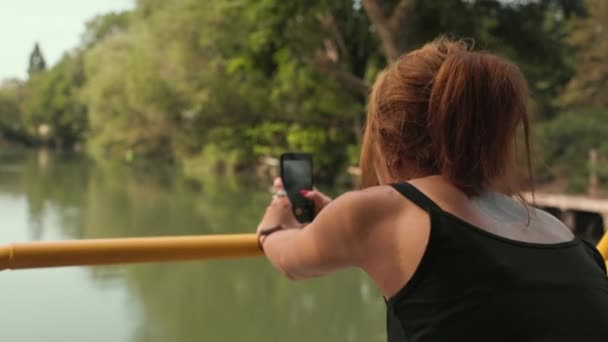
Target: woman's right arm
338 237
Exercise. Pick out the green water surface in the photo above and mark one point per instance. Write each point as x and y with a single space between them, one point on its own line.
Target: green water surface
48 196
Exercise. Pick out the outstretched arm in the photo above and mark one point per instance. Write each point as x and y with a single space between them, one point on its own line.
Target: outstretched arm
334 240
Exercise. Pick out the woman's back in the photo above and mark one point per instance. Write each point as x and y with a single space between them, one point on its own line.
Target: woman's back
476 285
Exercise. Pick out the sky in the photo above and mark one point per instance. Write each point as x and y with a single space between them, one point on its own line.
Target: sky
55 24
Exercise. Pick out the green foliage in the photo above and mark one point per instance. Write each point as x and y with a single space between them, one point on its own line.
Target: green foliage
51 100
531 33
104 26
10 111
589 87
215 85
122 78
565 142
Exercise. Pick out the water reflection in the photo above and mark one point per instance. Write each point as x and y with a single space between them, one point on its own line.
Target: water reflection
244 300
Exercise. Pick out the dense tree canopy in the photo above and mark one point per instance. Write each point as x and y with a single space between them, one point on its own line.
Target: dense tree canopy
213 84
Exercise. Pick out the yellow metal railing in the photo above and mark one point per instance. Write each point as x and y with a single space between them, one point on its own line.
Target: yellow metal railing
602 246
127 250
138 250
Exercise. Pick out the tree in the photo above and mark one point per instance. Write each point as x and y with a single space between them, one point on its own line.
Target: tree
589 87
531 33
565 142
130 107
104 26
11 98
37 63
231 81
51 100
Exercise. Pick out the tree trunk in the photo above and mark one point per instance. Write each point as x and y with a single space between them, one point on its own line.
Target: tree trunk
389 27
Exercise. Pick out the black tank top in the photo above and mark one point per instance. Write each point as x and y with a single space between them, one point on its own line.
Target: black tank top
472 285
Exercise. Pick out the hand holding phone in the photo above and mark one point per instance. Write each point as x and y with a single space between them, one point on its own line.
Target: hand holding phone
296 175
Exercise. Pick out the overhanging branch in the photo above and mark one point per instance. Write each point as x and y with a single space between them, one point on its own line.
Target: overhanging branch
389 27
381 24
348 79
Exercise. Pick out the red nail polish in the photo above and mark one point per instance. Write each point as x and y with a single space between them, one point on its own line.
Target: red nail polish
304 192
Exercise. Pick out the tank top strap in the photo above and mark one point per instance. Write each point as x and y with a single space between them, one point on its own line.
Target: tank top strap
418 197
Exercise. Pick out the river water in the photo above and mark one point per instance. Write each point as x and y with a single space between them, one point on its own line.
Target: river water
49 196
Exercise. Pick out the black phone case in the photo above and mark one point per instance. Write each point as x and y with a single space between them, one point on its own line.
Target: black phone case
303 208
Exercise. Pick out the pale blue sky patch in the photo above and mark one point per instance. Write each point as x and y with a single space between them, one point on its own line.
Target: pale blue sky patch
55 24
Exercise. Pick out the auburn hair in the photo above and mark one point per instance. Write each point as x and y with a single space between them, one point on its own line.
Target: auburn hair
447 110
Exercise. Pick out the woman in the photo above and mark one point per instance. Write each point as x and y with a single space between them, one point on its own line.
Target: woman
436 226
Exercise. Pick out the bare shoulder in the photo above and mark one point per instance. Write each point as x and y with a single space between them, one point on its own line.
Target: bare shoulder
391 235
373 193
546 217
553 223
371 205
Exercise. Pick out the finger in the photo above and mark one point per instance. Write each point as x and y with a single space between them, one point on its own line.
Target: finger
280 201
310 194
277 184
315 195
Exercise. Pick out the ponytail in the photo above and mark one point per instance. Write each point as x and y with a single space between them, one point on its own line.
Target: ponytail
443 109
476 103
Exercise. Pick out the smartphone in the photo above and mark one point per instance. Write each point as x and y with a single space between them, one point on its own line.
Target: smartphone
296 174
